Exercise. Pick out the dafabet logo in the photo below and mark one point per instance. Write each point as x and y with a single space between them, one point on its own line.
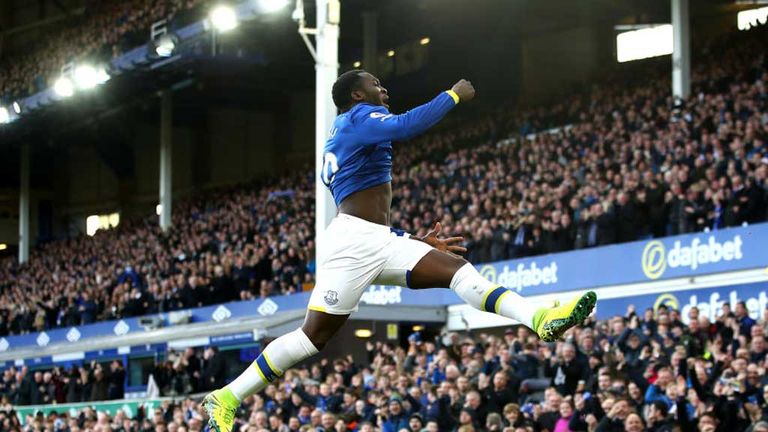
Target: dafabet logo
523 276
656 258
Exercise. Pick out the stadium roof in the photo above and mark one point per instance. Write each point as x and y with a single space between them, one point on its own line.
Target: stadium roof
474 33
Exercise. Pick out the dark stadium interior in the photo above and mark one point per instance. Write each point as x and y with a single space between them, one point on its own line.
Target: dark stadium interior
564 152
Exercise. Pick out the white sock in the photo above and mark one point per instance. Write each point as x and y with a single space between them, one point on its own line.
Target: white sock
277 357
481 294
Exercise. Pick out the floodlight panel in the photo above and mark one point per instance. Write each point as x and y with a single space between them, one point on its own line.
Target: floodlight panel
644 43
223 18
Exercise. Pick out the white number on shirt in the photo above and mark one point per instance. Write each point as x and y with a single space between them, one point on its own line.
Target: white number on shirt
330 167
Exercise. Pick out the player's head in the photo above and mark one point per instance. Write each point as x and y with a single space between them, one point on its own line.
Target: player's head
356 86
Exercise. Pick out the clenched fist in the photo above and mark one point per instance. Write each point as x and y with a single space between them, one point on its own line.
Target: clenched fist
464 89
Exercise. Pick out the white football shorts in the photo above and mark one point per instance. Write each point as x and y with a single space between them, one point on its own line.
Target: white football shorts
357 254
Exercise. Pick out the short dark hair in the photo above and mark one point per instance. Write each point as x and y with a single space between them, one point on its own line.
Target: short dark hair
342 90
661 407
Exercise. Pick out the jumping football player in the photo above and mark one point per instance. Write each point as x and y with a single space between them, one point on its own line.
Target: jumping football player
361 249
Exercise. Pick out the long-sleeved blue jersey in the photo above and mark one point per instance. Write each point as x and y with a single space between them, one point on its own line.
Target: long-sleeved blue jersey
358 154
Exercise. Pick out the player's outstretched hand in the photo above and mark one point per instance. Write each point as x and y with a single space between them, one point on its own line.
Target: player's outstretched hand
450 244
464 89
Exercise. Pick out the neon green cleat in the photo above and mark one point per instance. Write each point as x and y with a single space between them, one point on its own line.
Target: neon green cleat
221 406
551 323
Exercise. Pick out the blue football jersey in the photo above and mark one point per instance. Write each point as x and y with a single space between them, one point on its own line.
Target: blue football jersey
358 153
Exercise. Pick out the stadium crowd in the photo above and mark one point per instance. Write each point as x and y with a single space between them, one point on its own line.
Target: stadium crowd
631 164
240 244
644 371
178 373
104 30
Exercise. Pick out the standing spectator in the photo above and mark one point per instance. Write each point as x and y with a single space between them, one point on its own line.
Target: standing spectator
743 320
116 387
503 391
100 387
214 369
566 370
657 417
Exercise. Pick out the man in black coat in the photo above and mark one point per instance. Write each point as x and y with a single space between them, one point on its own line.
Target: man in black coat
24 387
503 391
657 417
657 207
37 390
566 370
116 386
215 369
606 225
626 223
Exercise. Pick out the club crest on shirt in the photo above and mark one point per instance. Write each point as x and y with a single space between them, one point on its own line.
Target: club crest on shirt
331 297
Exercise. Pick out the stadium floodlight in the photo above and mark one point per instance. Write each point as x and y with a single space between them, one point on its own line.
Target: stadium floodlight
363 333
357 64
391 53
165 45
652 41
748 19
102 75
272 6
3 246
424 41
64 87
17 108
5 116
85 77
223 18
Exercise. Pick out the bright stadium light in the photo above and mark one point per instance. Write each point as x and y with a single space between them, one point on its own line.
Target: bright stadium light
271 6
102 76
3 246
63 87
391 53
165 46
16 108
356 64
223 18
747 19
424 41
363 333
649 42
5 116
85 77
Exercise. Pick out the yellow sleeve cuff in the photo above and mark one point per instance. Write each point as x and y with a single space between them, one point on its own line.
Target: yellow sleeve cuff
453 94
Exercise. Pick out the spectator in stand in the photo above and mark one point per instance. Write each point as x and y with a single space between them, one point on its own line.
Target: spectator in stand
724 387
258 249
214 369
630 166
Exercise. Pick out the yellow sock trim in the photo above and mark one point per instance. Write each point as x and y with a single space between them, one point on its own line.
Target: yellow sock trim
261 374
485 297
498 301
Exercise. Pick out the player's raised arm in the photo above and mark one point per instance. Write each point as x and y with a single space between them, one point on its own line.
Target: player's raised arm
378 124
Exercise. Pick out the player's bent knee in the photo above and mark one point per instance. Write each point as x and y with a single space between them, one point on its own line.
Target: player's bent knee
320 327
315 336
